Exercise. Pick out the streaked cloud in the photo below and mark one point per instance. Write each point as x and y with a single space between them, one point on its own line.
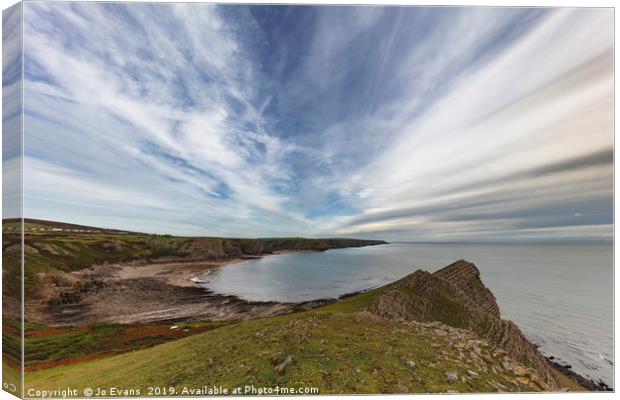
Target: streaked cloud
404 123
11 112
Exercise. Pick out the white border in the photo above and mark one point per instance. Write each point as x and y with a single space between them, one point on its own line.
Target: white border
505 3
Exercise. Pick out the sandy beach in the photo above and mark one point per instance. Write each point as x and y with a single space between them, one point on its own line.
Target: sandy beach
146 292
175 273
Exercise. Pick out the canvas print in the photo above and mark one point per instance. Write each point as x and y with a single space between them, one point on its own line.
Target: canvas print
225 199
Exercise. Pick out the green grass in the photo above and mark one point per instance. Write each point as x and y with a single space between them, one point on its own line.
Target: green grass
336 352
354 303
11 375
339 348
48 346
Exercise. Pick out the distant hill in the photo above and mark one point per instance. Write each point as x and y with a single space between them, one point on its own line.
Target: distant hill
62 247
39 225
77 246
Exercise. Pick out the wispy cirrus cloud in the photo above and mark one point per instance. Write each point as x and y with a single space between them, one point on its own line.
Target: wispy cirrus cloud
158 102
11 112
405 123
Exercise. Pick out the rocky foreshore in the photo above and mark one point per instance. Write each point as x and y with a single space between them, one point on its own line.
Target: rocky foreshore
101 275
425 333
588 384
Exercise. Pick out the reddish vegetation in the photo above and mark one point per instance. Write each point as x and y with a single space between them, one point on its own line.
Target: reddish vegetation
137 331
51 331
63 361
11 362
9 329
130 337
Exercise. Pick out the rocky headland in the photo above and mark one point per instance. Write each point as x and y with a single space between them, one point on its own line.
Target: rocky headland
427 332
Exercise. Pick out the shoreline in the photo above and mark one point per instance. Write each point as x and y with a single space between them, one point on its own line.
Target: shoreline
143 292
165 290
176 273
588 384
180 279
182 273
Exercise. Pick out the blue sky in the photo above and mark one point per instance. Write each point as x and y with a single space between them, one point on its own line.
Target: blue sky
401 123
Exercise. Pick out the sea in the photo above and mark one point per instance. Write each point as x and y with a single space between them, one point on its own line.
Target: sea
560 295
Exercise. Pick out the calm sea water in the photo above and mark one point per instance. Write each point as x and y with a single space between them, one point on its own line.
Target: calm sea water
561 296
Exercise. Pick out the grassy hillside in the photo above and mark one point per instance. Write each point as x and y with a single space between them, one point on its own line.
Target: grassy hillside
54 246
69 251
340 348
336 352
46 346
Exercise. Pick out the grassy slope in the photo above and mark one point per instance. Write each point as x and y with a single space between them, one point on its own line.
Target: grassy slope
50 346
337 349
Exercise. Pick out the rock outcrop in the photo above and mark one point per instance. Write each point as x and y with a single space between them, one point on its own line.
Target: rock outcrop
466 277
456 296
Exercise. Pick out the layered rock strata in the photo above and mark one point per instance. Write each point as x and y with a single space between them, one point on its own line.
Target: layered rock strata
456 296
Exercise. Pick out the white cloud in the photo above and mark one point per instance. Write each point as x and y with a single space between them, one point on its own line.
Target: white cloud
121 74
167 110
545 99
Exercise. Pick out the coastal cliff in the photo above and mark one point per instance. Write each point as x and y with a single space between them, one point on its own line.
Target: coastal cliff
456 296
68 247
76 274
425 333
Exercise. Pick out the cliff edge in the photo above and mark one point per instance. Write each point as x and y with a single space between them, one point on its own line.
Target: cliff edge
426 333
456 296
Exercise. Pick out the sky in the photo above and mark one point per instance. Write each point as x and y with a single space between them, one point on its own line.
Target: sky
11 113
395 123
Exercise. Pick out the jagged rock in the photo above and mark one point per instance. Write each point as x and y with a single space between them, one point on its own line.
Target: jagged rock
466 277
452 376
280 368
14 249
52 249
394 304
275 357
112 246
28 250
523 380
455 296
497 385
